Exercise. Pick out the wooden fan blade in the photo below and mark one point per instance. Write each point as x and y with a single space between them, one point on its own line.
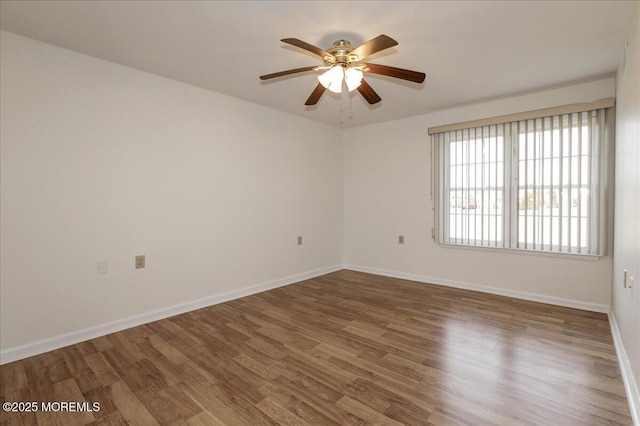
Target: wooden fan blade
416 77
372 46
308 47
315 95
287 72
368 93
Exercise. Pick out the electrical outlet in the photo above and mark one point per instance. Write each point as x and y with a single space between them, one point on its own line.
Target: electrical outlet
624 278
400 239
140 261
103 266
299 240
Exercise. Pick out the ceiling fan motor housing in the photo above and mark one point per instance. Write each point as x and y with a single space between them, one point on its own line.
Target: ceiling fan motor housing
340 49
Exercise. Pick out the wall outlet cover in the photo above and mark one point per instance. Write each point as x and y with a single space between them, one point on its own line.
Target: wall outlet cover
103 266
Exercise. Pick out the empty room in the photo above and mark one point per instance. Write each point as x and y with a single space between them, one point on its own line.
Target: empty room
319 212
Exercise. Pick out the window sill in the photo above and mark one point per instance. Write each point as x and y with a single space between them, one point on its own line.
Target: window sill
556 255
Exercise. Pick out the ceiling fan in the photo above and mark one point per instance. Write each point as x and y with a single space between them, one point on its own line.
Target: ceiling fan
343 63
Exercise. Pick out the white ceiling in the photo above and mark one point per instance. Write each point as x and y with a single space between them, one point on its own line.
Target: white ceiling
470 51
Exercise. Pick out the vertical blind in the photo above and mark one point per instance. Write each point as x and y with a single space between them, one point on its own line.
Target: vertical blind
532 184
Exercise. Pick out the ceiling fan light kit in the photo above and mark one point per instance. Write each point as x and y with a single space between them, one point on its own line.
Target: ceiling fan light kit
342 63
353 78
332 79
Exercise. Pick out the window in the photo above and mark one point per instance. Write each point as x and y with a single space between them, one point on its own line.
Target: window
534 181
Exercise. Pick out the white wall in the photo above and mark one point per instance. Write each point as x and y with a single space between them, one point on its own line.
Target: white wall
103 161
626 302
386 193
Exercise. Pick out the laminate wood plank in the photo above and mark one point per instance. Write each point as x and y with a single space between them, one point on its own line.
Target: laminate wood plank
380 311
402 388
267 372
389 343
86 348
407 414
279 413
235 395
288 338
202 419
307 385
212 339
102 396
128 351
343 348
161 330
337 340
571 348
319 369
103 343
326 351
69 390
363 414
296 406
439 419
13 377
77 366
232 334
212 316
268 353
12 418
58 369
324 403
235 314
136 335
610 385
140 375
170 372
112 419
169 405
399 370
230 376
185 338
241 328
132 410
215 408
37 371
325 324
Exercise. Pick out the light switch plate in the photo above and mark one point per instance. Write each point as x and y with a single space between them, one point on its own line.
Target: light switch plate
140 261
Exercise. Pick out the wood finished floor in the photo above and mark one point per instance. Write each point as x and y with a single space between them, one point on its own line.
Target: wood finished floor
344 348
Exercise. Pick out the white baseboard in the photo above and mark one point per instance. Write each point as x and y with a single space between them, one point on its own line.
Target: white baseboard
551 300
630 384
30 349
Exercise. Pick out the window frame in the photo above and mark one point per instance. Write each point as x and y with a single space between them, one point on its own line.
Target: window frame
511 134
